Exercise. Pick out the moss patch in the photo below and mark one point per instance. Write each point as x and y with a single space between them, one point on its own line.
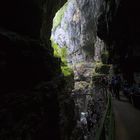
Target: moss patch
66 70
102 68
62 54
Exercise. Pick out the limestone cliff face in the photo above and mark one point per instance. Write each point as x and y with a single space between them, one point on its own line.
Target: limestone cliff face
84 29
82 21
78 29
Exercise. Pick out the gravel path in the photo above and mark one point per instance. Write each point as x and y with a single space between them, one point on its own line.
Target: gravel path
127 120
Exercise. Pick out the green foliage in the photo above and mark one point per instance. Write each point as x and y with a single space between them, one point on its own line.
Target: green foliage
62 53
104 56
57 50
58 16
66 70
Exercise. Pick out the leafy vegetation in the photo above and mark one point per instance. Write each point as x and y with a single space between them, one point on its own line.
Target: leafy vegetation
66 70
62 54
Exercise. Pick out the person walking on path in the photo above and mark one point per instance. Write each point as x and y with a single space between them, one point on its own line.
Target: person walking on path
117 87
112 88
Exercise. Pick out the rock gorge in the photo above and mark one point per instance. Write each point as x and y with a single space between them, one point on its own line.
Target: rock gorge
75 28
36 98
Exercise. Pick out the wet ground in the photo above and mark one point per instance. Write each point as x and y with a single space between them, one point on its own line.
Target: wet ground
127 120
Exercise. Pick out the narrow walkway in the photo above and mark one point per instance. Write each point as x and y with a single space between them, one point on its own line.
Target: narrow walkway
127 120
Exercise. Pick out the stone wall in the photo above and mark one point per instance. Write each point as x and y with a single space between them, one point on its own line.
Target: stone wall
31 95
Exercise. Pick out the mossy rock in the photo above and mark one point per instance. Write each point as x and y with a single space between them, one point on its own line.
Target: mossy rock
102 68
96 78
104 57
82 85
62 54
66 70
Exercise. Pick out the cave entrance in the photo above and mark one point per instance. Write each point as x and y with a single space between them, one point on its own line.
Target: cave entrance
82 53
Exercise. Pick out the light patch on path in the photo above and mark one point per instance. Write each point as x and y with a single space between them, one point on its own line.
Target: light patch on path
127 120
121 133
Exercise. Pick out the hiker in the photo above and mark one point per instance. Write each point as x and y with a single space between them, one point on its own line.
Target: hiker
112 88
89 123
117 86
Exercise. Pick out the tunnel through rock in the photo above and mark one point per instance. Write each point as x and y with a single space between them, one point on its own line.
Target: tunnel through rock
40 95
75 41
